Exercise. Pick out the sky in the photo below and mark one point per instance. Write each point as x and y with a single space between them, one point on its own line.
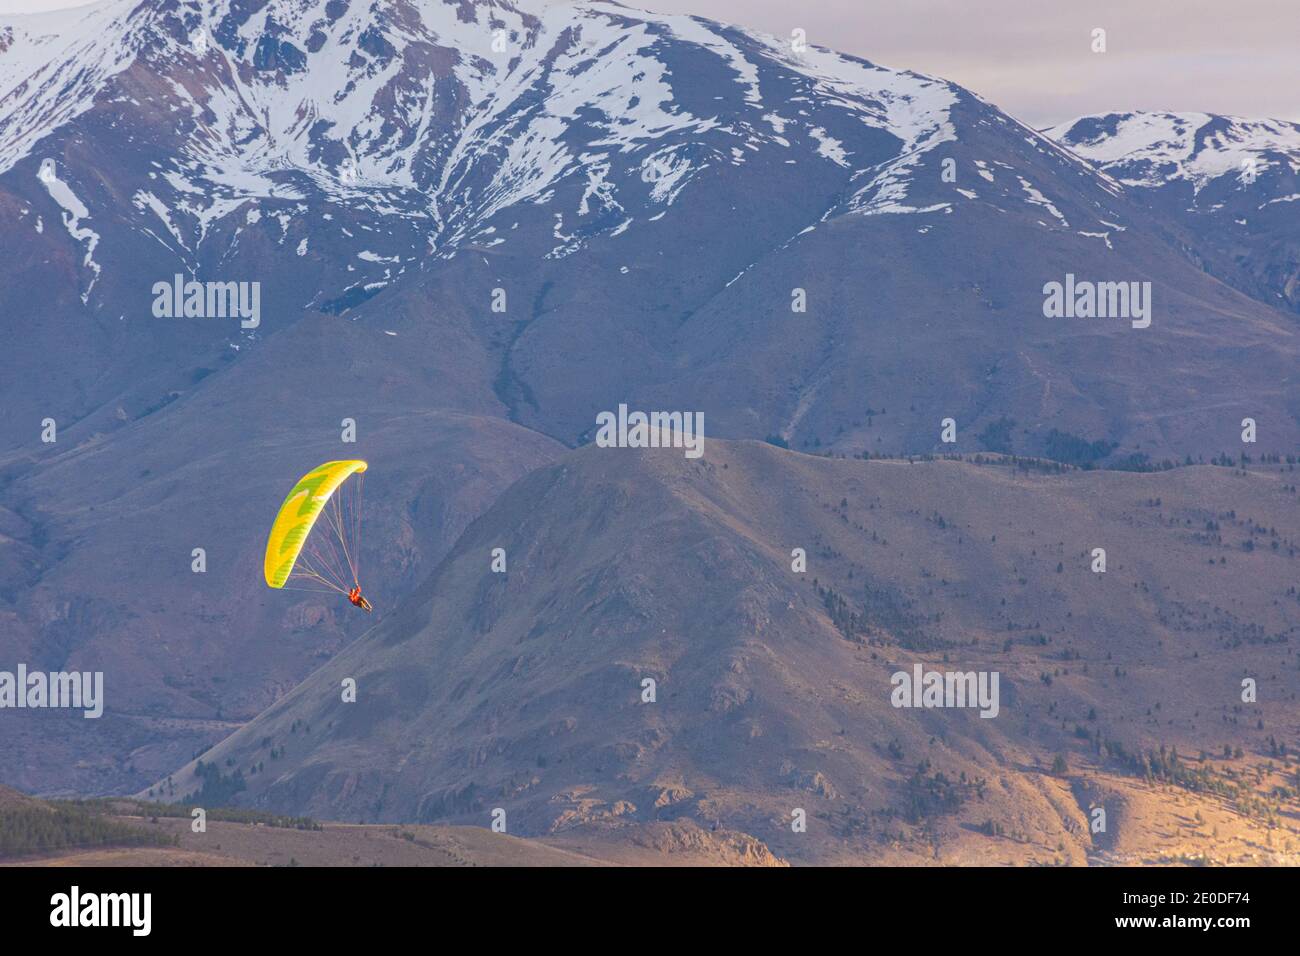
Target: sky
1033 58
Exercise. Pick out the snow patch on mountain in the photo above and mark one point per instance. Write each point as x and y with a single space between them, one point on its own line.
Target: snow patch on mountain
829 147
74 211
145 200
1036 197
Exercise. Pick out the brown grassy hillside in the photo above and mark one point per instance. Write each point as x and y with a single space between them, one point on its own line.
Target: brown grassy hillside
1119 690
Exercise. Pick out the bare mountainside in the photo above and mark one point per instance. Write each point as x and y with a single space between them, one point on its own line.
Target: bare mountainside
97 548
524 691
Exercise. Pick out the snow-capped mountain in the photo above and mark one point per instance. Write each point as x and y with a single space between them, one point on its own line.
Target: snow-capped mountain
1155 150
443 114
450 121
342 150
484 223
1234 181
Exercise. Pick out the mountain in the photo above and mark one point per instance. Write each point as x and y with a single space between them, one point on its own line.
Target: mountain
1233 182
641 194
524 691
101 541
470 227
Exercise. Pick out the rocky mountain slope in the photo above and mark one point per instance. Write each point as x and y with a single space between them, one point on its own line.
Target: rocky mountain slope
525 692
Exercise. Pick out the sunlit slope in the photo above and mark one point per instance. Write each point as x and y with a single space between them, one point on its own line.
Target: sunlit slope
524 691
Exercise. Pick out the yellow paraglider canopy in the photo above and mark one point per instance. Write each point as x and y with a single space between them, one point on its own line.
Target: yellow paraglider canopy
326 561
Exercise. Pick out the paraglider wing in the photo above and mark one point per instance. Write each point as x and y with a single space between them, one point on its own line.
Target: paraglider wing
298 516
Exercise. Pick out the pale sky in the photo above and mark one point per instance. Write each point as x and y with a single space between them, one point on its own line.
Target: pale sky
1033 58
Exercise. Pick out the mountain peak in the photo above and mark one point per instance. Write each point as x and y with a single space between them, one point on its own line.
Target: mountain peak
1148 149
448 113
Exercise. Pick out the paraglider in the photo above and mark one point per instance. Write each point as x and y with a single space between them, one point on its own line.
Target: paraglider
358 601
326 557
